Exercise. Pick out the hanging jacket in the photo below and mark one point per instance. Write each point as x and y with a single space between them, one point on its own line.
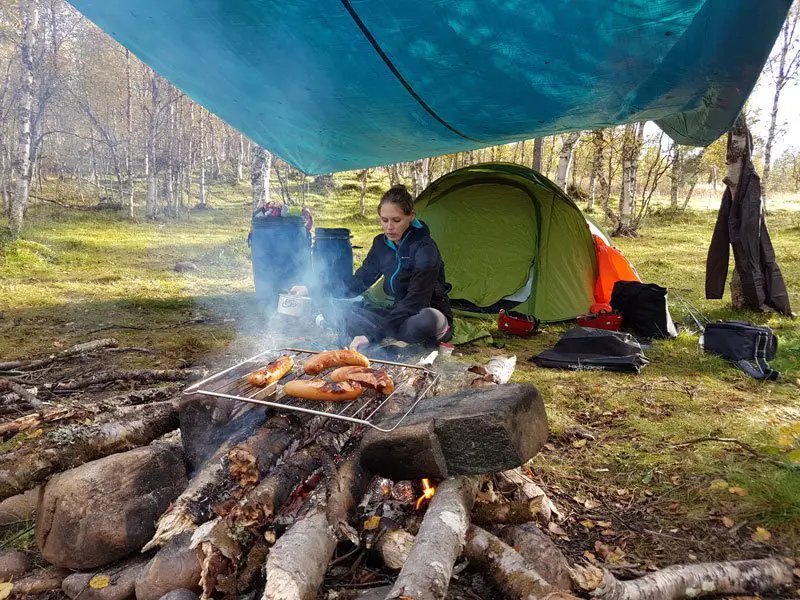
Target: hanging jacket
413 274
741 225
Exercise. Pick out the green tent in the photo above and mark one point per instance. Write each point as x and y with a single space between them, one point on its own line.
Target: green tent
510 238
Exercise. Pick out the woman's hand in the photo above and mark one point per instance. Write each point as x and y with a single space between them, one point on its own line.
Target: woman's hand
299 290
358 342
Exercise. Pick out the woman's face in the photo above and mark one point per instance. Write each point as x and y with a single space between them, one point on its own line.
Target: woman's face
394 221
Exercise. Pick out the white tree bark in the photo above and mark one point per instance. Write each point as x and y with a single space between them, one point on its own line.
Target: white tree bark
565 158
202 188
677 168
152 141
19 203
129 123
631 145
538 151
240 160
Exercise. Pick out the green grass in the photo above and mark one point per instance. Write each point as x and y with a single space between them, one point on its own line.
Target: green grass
81 272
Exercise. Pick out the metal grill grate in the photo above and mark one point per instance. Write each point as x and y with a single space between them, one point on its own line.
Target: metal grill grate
416 380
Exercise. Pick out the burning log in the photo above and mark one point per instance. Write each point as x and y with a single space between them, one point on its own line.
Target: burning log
690 581
508 570
231 465
426 573
72 445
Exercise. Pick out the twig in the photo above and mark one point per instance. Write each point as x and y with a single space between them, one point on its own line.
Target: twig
746 447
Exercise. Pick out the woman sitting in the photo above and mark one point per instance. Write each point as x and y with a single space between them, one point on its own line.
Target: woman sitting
413 272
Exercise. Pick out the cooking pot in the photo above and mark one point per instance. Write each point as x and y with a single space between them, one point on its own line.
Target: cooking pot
294 306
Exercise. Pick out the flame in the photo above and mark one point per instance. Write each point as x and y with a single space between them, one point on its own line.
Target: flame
427 492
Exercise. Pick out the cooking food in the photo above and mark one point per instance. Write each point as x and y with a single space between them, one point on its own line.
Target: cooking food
334 358
273 372
319 389
376 379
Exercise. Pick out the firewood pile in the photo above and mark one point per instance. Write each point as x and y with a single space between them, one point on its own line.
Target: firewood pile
144 492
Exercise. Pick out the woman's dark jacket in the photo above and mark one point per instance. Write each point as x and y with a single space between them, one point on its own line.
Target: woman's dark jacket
413 274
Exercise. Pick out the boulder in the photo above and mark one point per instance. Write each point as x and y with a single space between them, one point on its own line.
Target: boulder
476 431
106 509
175 567
112 583
181 594
13 565
18 508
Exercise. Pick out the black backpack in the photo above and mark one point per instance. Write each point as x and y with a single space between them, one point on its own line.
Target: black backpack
644 309
746 345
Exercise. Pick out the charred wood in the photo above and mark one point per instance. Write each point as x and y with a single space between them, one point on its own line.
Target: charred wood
507 569
74 444
690 581
515 512
426 573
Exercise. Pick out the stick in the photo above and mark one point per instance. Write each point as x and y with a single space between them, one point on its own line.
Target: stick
426 573
509 572
72 445
6 385
540 552
28 365
746 447
146 376
690 581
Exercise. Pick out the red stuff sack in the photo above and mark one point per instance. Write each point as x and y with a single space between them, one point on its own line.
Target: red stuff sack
611 321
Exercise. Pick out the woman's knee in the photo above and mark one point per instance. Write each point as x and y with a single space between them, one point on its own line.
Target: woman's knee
428 325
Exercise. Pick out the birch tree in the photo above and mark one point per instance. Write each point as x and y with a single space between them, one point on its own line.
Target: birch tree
260 175
538 151
565 157
19 203
597 178
631 146
676 176
783 67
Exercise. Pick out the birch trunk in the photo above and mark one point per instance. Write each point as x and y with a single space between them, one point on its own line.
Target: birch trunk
363 204
240 160
598 178
202 188
258 160
676 174
538 151
19 202
565 158
152 135
631 145
129 123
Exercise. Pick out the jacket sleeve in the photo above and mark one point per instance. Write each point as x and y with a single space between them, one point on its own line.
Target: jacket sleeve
366 275
420 288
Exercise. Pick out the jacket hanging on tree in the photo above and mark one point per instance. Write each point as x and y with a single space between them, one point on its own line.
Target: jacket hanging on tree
741 225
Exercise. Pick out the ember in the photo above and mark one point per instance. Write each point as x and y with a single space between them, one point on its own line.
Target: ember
427 493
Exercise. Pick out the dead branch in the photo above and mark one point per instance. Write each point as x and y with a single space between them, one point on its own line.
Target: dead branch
6 385
146 376
746 447
690 581
507 569
540 552
524 488
28 365
74 444
426 573
394 546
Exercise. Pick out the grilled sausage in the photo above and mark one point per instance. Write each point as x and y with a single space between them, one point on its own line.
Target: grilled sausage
319 389
376 379
334 358
274 371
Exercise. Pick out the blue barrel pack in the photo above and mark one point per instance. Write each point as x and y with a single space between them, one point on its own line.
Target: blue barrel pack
281 250
333 258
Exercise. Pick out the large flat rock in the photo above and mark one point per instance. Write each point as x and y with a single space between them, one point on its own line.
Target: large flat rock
106 509
483 430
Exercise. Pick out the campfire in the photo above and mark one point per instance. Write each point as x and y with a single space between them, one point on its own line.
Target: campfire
289 499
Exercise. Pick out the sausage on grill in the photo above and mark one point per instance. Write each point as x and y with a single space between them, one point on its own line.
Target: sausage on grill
376 379
274 371
319 389
334 358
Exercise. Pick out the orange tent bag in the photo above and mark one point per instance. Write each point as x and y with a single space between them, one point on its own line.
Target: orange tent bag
612 266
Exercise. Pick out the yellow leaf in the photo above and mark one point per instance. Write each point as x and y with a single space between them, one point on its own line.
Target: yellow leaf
99 582
587 523
718 484
760 535
5 590
604 524
579 443
739 491
728 522
372 522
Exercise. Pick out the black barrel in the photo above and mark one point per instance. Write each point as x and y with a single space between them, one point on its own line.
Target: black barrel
333 258
281 250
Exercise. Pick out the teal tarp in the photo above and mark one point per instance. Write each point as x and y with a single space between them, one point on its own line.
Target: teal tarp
334 85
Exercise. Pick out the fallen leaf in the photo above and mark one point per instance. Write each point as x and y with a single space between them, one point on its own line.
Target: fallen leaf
727 521
579 443
796 573
739 491
372 522
590 557
608 532
605 524
99 582
556 530
587 523
5 590
675 479
761 535
718 484
549 447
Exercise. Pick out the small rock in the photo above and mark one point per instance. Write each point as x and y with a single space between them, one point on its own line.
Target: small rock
13 565
19 508
120 582
184 267
175 567
181 594
107 509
